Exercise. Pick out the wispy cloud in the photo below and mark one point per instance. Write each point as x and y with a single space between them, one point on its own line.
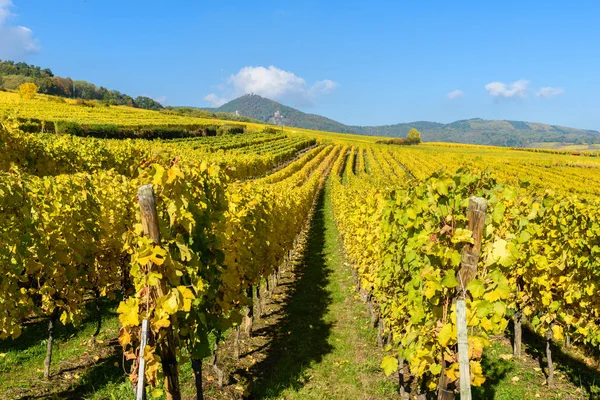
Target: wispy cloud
455 94
508 90
161 99
15 41
214 100
270 82
549 92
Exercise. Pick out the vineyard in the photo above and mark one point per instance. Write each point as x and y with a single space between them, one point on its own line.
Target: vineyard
165 255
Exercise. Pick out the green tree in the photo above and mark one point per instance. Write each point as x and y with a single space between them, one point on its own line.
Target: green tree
12 82
147 103
413 137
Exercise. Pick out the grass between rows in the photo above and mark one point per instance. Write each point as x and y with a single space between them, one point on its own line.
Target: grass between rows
325 348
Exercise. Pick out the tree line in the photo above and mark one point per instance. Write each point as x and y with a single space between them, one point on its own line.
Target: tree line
413 137
14 74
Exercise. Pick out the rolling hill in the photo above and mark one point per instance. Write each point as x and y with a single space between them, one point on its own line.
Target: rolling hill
475 131
266 110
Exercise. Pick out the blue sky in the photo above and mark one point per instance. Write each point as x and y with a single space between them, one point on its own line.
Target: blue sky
366 63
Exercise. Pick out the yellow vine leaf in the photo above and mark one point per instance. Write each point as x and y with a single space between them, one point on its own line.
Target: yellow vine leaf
557 332
128 312
445 334
477 377
173 173
462 235
389 364
188 296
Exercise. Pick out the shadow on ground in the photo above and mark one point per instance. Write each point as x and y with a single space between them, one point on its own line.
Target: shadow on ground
95 374
495 370
300 336
95 368
578 372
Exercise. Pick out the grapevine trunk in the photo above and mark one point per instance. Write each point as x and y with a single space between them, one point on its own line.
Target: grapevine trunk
197 368
51 326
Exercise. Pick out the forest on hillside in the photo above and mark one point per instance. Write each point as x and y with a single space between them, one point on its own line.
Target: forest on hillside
14 74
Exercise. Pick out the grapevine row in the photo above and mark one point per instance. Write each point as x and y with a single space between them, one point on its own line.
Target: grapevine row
539 261
80 238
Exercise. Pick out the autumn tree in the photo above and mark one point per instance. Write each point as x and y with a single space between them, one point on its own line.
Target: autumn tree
28 90
413 137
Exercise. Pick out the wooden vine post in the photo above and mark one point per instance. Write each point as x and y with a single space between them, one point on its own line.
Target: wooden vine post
550 379
140 393
468 270
249 317
167 349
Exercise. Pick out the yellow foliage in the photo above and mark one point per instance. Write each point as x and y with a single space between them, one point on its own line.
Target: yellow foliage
28 90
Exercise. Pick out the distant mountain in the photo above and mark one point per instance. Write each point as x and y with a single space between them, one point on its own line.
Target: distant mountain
476 131
265 110
488 132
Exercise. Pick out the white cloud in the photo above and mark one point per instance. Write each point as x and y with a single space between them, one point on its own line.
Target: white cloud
273 83
15 41
270 82
510 90
549 92
5 10
455 94
215 100
325 86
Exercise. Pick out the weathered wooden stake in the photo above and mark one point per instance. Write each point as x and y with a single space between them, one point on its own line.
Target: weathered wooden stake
470 258
267 287
258 302
273 281
470 253
380 333
236 343
401 389
249 317
518 337
214 362
151 230
549 336
373 311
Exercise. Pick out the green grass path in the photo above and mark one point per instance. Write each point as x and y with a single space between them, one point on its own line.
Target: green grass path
325 348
